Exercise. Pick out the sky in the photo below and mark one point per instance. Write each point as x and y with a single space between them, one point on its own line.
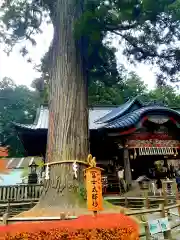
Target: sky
13 178
16 67
22 72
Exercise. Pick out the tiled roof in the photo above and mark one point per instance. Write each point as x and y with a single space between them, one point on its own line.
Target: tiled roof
19 163
121 116
41 121
95 114
43 118
133 117
119 111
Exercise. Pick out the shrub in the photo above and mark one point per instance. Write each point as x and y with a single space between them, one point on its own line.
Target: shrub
102 227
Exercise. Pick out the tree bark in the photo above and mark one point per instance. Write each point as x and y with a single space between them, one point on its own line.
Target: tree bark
68 109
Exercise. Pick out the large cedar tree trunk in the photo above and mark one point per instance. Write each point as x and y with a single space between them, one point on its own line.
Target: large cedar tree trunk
68 110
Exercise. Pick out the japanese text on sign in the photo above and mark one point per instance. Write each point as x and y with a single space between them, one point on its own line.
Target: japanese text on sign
94 189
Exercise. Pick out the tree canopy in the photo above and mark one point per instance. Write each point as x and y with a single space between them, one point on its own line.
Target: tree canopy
148 30
17 104
165 94
130 87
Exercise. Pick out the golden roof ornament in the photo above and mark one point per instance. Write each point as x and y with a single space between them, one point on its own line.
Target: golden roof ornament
91 160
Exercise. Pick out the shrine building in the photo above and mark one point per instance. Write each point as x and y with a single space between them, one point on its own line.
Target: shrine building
133 135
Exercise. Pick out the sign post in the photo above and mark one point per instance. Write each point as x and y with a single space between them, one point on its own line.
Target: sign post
159 226
94 186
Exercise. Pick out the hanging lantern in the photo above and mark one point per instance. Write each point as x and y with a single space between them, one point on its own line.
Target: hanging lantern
150 151
135 153
172 152
165 151
143 150
147 151
161 151
176 151
131 156
168 151
155 151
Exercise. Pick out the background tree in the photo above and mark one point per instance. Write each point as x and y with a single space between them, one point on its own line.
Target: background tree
104 74
166 94
79 30
120 88
17 104
128 86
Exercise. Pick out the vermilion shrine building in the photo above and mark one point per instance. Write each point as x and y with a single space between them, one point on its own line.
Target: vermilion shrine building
133 135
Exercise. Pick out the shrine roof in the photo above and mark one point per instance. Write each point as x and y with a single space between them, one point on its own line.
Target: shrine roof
21 163
128 106
125 115
42 118
132 118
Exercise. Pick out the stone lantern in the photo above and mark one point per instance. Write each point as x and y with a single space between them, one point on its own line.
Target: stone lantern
33 177
143 182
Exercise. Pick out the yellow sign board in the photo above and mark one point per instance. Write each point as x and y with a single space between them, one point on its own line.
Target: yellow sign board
94 189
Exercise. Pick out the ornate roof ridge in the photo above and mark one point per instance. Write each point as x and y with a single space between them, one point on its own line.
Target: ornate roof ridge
120 111
133 117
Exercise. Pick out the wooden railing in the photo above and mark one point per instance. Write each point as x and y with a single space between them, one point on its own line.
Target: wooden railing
138 202
20 192
12 209
162 209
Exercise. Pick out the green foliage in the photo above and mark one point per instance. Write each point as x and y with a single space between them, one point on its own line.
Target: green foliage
107 89
17 104
22 20
82 192
42 87
102 72
149 30
167 94
129 86
99 94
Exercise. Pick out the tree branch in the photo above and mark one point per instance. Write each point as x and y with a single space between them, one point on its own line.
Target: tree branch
146 53
120 27
51 6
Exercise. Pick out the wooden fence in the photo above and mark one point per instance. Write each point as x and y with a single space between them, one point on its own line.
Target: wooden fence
12 209
161 205
141 207
141 214
139 202
20 192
